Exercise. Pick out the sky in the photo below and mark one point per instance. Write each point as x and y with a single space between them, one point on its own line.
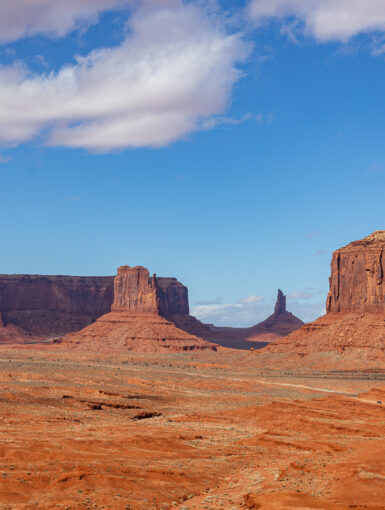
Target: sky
231 144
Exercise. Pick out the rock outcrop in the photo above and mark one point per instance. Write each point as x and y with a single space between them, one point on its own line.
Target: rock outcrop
135 291
137 322
277 325
280 323
47 306
352 333
357 282
51 306
280 305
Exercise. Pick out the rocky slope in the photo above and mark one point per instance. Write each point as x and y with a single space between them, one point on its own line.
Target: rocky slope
136 323
12 334
352 333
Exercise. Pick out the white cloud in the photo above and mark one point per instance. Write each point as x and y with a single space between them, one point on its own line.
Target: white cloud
298 294
326 20
216 301
303 294
251 300
259 118
23 18
175 69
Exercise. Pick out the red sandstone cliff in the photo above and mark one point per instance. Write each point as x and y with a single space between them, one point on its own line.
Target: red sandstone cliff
135 291
357 282
53 305
49 306
352 333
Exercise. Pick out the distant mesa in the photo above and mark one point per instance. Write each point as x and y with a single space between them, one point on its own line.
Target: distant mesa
38 307
277 325
51 306
136 321
352 333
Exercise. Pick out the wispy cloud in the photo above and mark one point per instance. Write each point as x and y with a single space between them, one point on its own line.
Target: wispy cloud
376 168
174 71
4 159
203 302
326 20
251 300
259 118
303 294
24 18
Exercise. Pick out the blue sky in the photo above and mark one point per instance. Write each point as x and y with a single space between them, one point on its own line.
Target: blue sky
234 149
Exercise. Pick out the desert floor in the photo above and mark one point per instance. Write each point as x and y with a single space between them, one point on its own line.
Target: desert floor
184 431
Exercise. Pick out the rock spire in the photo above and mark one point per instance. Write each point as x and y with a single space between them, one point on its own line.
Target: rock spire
280 305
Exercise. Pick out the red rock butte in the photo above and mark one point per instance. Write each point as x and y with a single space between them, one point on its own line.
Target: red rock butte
136 321
352 333
357 282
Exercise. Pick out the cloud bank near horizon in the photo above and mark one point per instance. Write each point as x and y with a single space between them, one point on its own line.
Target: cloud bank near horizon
253 309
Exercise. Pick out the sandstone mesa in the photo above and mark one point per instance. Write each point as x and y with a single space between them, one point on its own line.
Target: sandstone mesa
352 333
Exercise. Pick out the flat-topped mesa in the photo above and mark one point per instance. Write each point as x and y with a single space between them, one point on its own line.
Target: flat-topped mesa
136 292
357 282
280 305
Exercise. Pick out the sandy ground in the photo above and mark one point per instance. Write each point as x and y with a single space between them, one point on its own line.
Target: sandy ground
186 431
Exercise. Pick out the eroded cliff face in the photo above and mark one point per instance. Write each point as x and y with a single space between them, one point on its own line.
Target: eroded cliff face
135 291
280 305
48 306
351 335
357 282
53 305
